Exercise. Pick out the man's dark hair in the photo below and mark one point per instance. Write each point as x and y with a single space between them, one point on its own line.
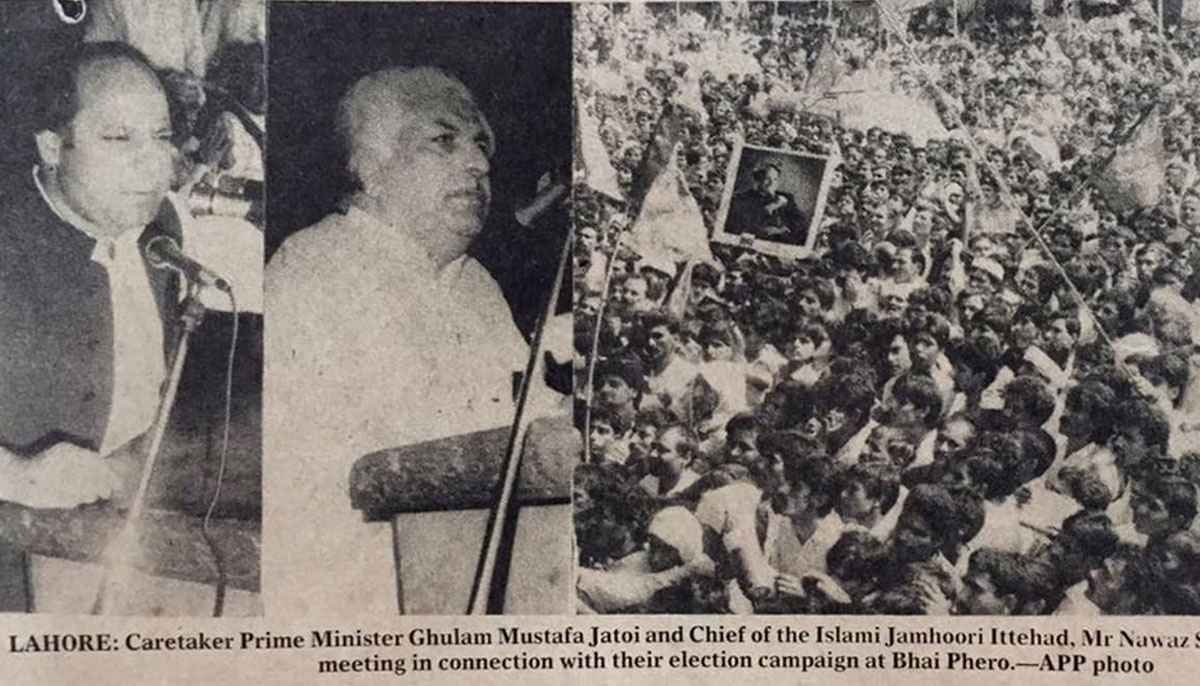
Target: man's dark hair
1178 496
955 516
745 421
1012 574
922 392
1028 401
881 483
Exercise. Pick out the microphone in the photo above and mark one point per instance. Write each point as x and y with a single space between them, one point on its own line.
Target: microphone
162 252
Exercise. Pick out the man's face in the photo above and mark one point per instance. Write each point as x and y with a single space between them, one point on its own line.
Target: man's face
979 597
668 461
854 504
1190 211
1150 260
741 447
898 358
1058 337
433 171
914 539
641 439
660 342
953 437
1105 582
114 161
632 295
615 392
808 304
886 445
925 350
768 182
601 436
1150 515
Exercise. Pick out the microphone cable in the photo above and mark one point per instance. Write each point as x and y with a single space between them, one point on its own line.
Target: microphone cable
205 530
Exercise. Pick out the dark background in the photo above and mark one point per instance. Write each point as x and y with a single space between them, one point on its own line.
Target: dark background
515 59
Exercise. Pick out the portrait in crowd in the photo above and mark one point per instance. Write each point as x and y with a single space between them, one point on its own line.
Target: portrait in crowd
131 175
965 378
774 200
416 233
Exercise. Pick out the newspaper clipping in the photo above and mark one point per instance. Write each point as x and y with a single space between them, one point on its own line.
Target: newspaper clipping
802 342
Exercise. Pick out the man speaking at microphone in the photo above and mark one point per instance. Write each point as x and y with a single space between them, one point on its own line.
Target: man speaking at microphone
381 332
86 316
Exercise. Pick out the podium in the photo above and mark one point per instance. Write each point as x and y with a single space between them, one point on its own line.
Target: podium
437 494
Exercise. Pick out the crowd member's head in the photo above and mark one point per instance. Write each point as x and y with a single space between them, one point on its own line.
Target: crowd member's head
1087 412
632 294
1028 402
103 135
915 403
927 336
857 561
804 496
658 337
610 514
1175 568
1167 374
646 425
846 401
936 520
720 341
1121 584
975 361
672 452
1140 432
619 382
1163 505
742 434
954 435
865 492
1003 583
607 429
1083 541
673 537
890 447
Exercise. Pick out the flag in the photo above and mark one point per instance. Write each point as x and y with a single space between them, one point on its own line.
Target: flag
592 164
826 71
1134 176
669 227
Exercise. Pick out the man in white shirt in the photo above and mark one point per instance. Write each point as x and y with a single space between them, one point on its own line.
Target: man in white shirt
383 332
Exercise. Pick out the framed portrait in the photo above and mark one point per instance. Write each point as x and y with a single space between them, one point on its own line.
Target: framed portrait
773 201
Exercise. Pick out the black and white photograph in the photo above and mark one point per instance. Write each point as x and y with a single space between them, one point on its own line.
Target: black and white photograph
418 439
977 393
774 200
131 252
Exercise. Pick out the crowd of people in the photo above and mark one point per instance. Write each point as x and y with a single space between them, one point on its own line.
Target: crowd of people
977 395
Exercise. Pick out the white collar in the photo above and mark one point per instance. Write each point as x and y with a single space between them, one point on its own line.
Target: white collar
106 245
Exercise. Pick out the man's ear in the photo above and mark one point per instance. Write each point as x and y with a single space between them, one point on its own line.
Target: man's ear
49 147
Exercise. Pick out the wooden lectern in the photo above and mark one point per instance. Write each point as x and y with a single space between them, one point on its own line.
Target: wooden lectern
448 486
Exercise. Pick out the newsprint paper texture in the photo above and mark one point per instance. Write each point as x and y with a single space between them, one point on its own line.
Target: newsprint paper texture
808 337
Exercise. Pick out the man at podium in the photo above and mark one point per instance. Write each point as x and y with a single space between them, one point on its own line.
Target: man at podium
382 331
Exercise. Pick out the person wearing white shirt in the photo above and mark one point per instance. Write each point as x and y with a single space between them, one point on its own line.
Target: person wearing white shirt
382 331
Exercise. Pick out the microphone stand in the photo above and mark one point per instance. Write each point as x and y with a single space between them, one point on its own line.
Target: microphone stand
120 552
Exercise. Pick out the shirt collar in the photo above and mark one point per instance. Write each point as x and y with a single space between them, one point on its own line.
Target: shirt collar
105 245
404 247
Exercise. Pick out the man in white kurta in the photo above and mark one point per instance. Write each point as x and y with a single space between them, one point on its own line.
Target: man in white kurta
381 332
